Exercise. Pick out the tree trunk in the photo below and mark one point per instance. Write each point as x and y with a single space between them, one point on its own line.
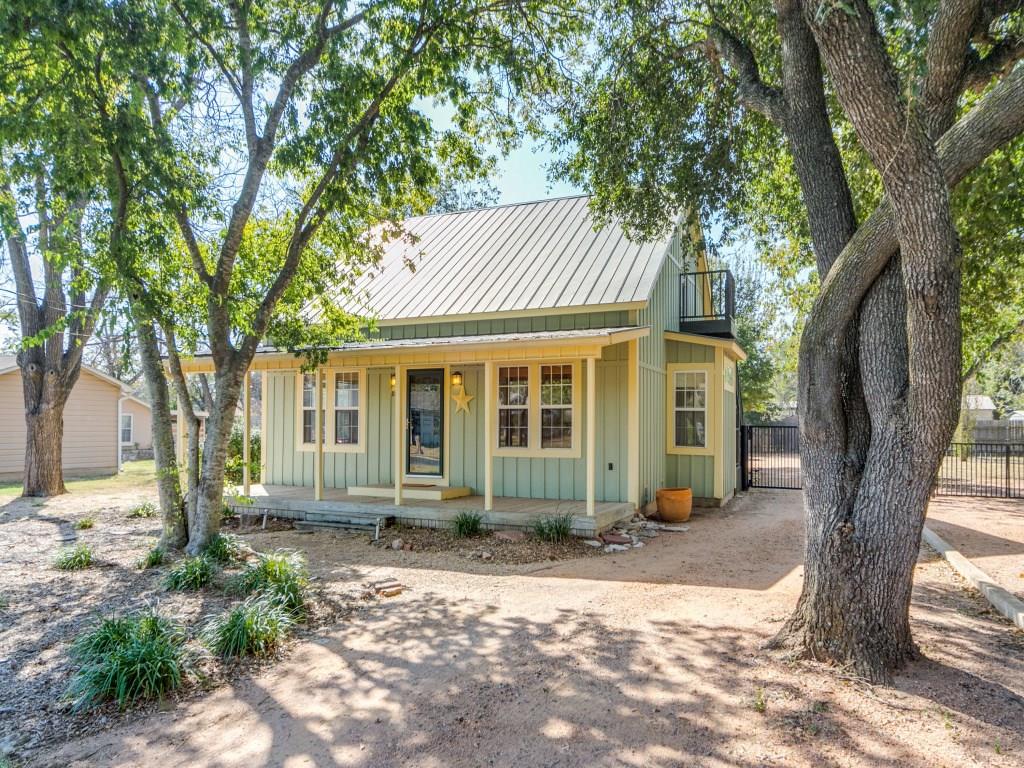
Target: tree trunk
210 497
175 527
43 445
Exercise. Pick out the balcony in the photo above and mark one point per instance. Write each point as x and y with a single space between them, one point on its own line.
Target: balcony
707 303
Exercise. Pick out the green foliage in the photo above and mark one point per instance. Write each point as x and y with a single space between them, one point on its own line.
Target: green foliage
128 659
85 523
74 559
235 464
154 558
257 627
143 510
760 702
468 524
554 528
190 574
280 576
224 549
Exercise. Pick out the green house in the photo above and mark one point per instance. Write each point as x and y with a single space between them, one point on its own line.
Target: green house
529 364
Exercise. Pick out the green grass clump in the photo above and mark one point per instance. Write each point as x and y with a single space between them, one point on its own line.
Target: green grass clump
556 528
280 576
74 559
257 627
154 558
468 524
127 659
190 574
224 549
145 509
85 523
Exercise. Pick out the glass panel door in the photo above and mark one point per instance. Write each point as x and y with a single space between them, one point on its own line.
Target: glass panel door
426 423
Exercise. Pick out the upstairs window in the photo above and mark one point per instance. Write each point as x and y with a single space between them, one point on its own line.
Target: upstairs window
513 406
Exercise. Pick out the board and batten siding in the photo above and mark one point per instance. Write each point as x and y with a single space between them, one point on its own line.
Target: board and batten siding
532 478
561 322
694 472
90 444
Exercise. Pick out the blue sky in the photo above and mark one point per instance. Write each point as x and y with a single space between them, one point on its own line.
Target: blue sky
522 176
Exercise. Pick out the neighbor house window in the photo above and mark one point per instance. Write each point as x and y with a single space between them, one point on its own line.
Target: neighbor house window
346 408
513 406
690 409
127 428
556 406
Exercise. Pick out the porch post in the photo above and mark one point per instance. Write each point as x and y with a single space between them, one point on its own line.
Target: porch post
246 426
489 436
318 437
591 433
399 443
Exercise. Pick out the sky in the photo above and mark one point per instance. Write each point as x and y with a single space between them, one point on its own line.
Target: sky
522 176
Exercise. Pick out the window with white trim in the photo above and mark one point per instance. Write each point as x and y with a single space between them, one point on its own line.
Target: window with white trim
690 409
513 406
309 410
556 404
346 408
127 428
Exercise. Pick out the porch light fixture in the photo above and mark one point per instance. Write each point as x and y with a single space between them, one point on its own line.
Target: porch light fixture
457 379
392 380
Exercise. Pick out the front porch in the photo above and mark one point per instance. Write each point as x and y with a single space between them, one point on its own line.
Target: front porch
337 505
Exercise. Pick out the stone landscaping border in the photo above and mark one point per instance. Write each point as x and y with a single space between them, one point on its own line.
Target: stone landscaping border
1003 601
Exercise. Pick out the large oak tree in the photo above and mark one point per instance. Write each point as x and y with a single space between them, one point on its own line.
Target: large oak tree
871 115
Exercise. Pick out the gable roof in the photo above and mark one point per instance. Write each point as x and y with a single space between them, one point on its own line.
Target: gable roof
9 364
543 255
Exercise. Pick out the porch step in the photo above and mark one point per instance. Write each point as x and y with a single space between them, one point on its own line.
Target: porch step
347 521
412 491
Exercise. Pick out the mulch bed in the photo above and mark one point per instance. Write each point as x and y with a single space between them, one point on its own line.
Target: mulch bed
487 546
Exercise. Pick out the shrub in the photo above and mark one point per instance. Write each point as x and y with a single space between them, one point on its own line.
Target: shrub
145 509
556 528
74 559
126 659
255 628
234 463
153 558
224 549
85 523
280 576
190 574
468 524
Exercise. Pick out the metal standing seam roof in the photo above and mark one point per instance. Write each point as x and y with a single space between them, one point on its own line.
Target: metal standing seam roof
543 255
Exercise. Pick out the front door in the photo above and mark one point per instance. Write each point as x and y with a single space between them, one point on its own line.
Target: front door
425 439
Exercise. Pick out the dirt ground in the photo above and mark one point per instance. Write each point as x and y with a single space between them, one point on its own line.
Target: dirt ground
646 658
990 532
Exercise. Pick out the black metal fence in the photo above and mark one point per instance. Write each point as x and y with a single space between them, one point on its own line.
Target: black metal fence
771 457
990 470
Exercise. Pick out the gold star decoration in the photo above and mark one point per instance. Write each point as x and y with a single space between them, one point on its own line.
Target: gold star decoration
461 399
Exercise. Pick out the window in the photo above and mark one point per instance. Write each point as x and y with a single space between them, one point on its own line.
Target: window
556 406
514 407
127 429
690 409
346 408
309 409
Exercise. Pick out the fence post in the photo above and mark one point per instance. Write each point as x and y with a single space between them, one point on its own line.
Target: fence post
1006 455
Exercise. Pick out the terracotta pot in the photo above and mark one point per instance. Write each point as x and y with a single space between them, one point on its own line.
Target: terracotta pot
674 504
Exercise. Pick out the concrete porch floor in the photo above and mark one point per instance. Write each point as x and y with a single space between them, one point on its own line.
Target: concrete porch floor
296 503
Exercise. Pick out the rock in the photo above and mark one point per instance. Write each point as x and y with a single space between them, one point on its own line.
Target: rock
593 542
616 547
648 534
407 546
397 544
615 538
510 536
486 555
637 544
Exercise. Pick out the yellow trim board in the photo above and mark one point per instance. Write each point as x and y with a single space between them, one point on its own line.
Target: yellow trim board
733 350
412 491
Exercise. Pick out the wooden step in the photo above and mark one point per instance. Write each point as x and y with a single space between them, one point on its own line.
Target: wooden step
344 521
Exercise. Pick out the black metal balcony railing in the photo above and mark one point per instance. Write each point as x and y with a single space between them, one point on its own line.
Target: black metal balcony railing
707 303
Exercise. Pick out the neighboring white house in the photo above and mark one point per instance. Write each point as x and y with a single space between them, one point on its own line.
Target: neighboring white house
1015 416
95 427
980 407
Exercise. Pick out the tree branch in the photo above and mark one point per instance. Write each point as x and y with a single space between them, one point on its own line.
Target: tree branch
752 91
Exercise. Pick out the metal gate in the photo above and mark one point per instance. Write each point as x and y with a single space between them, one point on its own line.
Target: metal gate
770 457
990 470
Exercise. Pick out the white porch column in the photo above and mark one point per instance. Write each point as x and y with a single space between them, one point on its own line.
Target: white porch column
489 436
318 437
246 427
591 434
399 443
